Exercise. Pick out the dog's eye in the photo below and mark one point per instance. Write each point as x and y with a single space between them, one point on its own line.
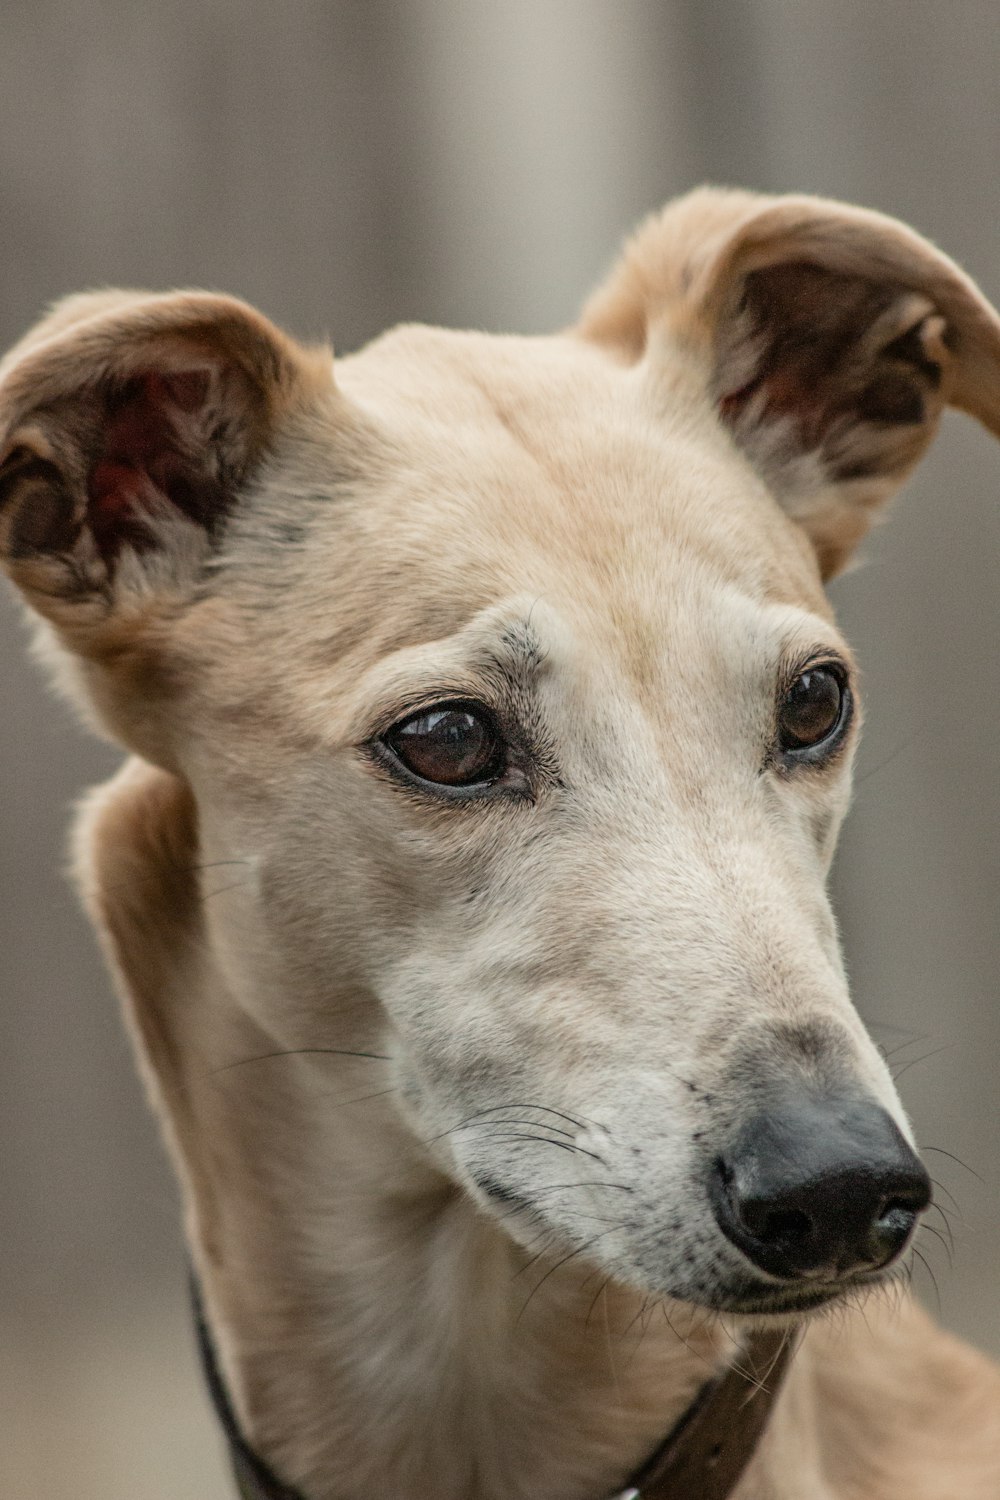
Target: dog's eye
814 708
453 744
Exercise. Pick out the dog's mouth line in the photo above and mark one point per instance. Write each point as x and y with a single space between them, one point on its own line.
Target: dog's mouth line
752 1300
761 1299
788 1302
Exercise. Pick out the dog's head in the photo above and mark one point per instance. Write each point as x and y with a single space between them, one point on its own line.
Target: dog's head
503 670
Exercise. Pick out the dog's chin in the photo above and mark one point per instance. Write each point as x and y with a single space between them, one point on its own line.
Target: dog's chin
760 1301
742 1296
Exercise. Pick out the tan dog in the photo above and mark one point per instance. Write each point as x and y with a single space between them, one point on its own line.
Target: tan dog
490 735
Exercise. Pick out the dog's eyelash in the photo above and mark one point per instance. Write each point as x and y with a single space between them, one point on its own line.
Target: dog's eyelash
422 702
810 661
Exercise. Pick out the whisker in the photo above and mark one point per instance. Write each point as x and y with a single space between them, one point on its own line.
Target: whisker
604 1284
952 1157
609 1347
787 1335
540 1140
950 1196
923 1261
644 1318
930 1229
235 886
702 1358
731 1364
897 1074
944 1220
363 1098
299 1052
874 1023
888 1053
211 864
577 1120
571 1213
489 1124
935 722
522 1104
548 1235
560 1187
582 1250
544 1141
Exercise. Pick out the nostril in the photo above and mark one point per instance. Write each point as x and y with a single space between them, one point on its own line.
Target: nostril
892 1208
768 1222
907 1200
782 1226
893 1226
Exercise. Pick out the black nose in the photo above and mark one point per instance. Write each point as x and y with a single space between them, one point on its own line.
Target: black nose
819 1188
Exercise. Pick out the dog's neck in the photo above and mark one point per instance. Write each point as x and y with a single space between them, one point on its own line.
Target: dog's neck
390 1339
377 1331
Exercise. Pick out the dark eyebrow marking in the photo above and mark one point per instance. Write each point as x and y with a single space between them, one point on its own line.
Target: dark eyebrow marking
521 642
502 673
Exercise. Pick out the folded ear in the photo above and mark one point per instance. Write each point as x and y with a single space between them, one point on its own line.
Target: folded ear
828 337
130 424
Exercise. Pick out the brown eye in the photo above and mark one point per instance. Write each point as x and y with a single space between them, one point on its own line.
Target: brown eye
453 745
814 708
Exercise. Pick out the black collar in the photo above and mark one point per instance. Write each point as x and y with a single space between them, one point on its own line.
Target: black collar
704 1454
254 1479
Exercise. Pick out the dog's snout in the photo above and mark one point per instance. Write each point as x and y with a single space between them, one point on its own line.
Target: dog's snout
820 1189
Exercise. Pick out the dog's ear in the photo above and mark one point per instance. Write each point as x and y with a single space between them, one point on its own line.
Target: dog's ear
828 339
129 426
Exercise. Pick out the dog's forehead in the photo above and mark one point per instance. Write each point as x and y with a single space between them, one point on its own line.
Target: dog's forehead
548 449
487 468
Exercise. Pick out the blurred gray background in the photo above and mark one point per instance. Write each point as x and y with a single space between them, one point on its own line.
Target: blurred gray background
349 164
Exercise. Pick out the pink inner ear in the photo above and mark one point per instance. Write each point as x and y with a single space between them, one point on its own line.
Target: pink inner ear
145 462
188 389
849 365
785 395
